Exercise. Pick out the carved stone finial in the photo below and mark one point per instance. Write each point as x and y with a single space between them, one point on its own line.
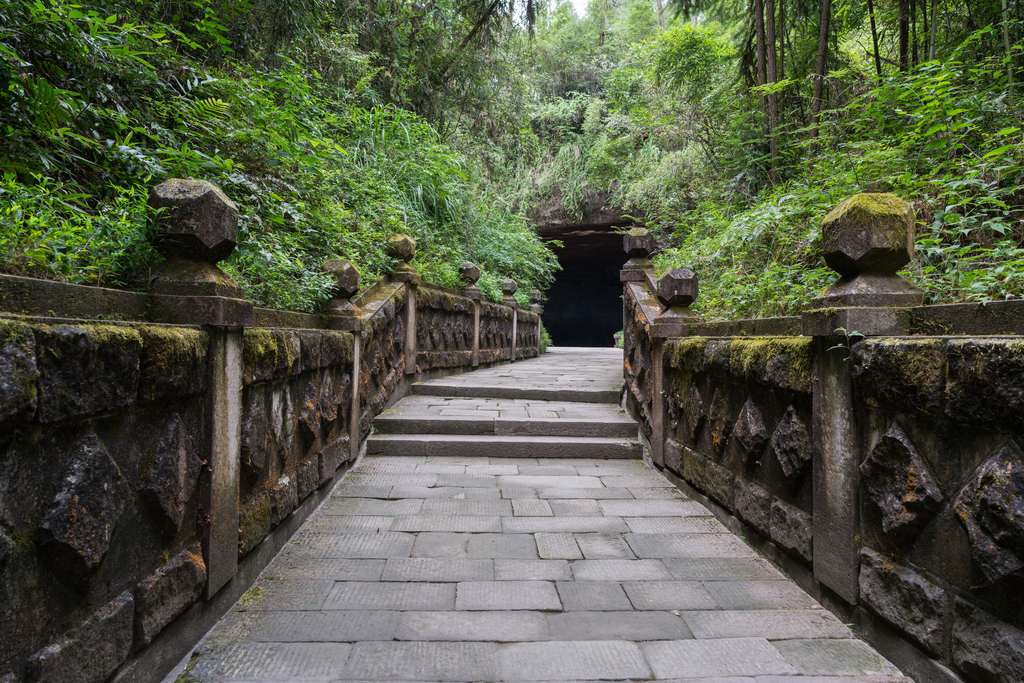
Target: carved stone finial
196 229
403 248
346 285
638 243
469 272
536 297
866 239
508 289
677 289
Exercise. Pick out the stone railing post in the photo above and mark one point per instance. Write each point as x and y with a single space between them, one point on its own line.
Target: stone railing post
197 228
866 239
470 273
403 248
536 297
344 315
508 289
677 289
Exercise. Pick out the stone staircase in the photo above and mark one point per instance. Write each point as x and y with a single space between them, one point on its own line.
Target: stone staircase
561 405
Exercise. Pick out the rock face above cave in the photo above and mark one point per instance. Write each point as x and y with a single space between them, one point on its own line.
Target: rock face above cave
553 220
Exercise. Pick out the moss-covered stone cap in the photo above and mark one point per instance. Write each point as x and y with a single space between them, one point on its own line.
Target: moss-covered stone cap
402 247
199 221
638 242
869 233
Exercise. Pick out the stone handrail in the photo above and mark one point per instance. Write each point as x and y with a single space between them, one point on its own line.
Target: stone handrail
870 447
195 432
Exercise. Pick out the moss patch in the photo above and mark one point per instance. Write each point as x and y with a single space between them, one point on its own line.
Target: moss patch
784 362
259 354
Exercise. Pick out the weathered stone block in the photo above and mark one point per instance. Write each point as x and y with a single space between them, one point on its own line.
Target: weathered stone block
694 465
674 456
198 222
904 599
509 287
868 233
259 355
986 648
336 348
718 483
898 374
753 505
7 548
171 477
284 497
791 444
19 375
310 349
792 529
469 272
401 247
896 481
719 421
346 278
694 411
91 651
990 506
307 475
257 442
172 362
163 595
85 369
254 522
678 287
686 354
332 456
750 430
76 531
289 353
783 362
986 383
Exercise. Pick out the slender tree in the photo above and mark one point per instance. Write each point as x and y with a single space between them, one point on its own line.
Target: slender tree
819 68
874 40
773 97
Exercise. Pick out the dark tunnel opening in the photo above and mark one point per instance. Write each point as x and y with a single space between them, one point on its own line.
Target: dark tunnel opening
584 304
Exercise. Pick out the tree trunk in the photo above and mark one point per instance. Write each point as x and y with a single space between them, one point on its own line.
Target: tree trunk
661 14
759 45
1009 55
913 32
819 69
782 40
931 35
904 27
773 97
874 40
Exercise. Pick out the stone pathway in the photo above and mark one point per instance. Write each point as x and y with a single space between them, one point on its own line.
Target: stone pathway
478 568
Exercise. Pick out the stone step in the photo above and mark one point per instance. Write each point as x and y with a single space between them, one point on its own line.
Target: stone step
490 390
500 446
441 424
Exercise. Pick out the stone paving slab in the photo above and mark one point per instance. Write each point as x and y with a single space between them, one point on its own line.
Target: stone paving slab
462 565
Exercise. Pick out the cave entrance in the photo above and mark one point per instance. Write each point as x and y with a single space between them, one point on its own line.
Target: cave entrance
584 304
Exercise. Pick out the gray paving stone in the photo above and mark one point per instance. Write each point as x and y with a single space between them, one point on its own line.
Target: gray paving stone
688 545
539 482
712 658
831 679
284 627
658 493
759 595
721 569
285 595
640 480
427 492
675 525
373 479
466 481
572 661
548 471
835 658
475 546
575 508
491 470
496 627
526 507
384 465
466 460
414 661
337 524
531 525
592 493
354 545
633 626
603 546
514 461
653 508
304 569
269 662
592 596
437 569
506 595
770 624
414 459
558 546
518 492
479 493
668 595
370 506
448 523
532 570
440 468
357 595
490 508
620 570
347 490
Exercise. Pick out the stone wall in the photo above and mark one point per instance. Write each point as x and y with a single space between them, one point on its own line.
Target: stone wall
150 468
882 470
